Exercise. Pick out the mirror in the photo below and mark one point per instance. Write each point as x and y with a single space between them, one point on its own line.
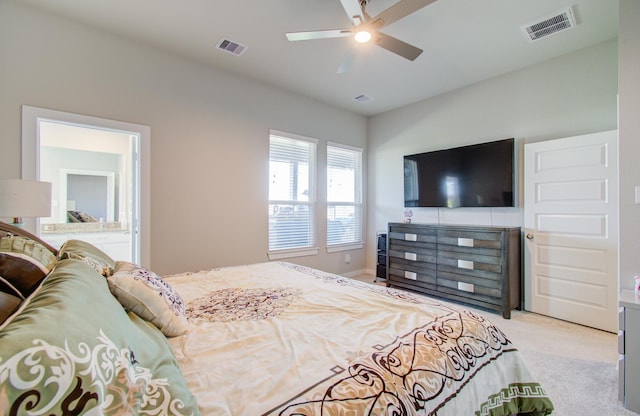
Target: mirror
91 193
89 182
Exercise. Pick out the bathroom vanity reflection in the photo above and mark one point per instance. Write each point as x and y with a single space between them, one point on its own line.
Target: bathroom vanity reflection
110 237
90 173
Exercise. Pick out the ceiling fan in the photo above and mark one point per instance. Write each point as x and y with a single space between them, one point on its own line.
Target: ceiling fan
367 29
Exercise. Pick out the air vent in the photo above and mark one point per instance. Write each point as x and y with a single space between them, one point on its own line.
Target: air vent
231 46
362 98
557 23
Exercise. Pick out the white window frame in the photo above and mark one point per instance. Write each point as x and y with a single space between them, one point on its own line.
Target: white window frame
357 242
296 251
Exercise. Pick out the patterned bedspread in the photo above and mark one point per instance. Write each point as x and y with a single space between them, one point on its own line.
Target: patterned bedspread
282 339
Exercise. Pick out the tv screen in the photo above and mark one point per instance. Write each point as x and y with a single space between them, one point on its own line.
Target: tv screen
479 175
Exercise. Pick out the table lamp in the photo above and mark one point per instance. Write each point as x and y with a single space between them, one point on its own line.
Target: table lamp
21 198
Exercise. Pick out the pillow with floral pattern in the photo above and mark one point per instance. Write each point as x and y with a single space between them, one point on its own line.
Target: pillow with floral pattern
147 295
88 253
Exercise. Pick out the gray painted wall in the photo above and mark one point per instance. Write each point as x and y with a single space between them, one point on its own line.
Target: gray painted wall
209 133
570 95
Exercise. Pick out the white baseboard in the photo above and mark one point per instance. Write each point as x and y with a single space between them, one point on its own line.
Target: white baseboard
360 272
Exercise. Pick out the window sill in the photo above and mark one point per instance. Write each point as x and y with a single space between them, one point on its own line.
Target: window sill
344 247
288 253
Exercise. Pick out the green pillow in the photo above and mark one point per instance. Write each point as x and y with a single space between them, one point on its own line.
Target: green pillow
73 349
9 303
88 253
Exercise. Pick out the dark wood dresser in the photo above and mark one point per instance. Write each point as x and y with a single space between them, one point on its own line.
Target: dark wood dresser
475 265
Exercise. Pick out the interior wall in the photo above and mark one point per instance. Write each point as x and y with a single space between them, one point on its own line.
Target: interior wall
570 95
209 133
629 131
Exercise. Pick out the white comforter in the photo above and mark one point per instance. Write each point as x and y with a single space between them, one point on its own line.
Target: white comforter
277 338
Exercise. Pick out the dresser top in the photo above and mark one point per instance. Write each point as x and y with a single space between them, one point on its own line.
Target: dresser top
456 226
629 299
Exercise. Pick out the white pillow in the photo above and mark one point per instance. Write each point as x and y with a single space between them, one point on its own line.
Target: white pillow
145 293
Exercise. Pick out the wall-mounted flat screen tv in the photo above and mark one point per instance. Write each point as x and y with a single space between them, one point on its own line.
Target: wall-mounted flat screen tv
479 175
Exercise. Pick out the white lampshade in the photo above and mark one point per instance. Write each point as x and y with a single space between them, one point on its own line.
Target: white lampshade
24 198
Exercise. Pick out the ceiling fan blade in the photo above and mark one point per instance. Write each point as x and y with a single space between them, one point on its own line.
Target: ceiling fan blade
347 61
319 34
398 11
396 46
353 10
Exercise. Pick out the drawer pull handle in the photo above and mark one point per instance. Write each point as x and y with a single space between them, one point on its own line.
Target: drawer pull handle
410 275
465 242
467 287
411 256
411 237
465 264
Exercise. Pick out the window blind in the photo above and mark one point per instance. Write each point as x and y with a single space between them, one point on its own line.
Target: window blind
344 195
291 216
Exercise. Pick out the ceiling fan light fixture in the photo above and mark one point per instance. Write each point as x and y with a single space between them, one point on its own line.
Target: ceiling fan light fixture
362 36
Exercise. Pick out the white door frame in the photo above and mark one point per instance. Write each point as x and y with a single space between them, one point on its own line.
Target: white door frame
31 117
571 229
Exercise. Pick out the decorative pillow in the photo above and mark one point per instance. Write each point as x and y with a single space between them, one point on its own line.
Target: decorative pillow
145 293
8 287
79 216
88 253
86 217
24 263
9 303
72 216
72 349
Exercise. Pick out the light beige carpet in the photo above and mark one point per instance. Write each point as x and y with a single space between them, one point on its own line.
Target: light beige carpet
575 364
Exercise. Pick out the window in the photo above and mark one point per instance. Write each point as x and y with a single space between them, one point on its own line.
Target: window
344 196
291 194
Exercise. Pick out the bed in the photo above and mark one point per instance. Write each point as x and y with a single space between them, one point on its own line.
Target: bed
270 338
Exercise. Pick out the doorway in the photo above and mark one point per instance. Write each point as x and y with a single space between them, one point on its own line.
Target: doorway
571 229
99 172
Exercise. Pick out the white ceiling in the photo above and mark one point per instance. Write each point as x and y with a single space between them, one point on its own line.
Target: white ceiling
464 41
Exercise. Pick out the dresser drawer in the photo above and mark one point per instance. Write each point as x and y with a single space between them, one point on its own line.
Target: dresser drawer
467 263
415 275
413 252
406 269
470 285
408 233
466 238
480 294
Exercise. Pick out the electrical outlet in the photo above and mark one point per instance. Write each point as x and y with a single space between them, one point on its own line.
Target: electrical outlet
347 258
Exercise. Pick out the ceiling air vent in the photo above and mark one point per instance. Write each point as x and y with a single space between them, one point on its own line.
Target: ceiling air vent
362 98
538 30
231 46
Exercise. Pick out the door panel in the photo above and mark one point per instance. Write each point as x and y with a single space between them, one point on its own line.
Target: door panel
571 228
